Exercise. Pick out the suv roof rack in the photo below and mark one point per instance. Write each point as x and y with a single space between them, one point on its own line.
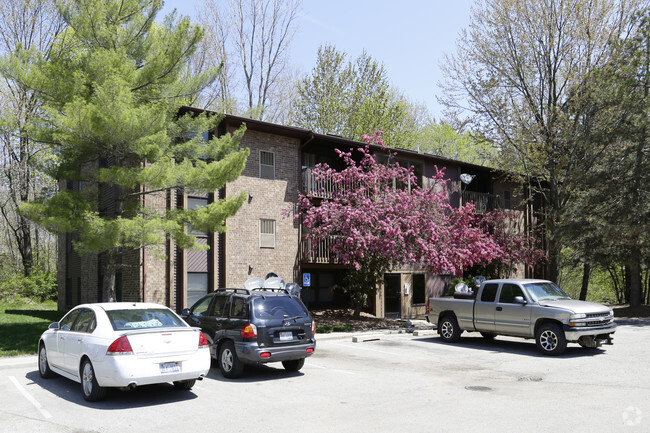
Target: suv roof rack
244 291
271 289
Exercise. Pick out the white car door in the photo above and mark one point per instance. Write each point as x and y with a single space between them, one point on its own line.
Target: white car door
56 350
77 338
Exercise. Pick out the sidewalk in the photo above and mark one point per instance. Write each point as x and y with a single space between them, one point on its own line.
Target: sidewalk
19 361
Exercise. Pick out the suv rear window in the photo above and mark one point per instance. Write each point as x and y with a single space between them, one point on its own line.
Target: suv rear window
277 307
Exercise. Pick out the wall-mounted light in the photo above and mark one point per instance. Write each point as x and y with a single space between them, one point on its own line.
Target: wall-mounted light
250 198
250 269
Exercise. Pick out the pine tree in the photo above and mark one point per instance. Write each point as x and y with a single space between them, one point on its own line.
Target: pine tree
112 98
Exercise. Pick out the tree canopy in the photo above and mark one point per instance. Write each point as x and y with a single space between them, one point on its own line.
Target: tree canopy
352 99
517 69
111 101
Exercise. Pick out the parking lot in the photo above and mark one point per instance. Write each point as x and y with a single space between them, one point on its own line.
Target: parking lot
384 382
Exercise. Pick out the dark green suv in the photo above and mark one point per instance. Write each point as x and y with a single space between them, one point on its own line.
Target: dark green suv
254 327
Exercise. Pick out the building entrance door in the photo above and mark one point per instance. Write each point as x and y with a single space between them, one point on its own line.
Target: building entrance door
393 295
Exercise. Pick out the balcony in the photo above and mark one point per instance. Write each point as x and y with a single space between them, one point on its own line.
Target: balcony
320 253
482 201
320 188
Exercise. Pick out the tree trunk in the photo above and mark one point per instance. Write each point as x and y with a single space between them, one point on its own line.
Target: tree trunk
635 282
586 274
24 241
109 271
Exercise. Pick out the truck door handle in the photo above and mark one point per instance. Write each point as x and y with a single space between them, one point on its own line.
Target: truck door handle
499 309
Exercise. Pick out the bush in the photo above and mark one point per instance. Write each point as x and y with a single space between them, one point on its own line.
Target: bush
40 285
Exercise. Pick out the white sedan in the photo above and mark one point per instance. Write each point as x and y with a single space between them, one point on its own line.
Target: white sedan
123 344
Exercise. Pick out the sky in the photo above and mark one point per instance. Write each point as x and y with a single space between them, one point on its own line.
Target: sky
409 37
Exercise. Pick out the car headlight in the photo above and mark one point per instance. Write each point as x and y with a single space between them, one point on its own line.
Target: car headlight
577 316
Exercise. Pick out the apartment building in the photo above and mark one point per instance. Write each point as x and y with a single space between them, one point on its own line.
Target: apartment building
260 238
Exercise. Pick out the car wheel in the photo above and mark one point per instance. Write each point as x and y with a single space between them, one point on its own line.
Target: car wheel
184 385
89 386
448 329
488 335
294 364
550 339
43 364
229 363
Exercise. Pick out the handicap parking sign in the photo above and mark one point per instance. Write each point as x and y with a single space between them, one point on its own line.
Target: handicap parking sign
306 280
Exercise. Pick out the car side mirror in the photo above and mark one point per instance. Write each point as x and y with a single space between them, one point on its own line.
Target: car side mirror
520 300
186 312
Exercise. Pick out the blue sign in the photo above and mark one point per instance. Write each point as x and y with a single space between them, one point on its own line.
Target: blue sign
306 280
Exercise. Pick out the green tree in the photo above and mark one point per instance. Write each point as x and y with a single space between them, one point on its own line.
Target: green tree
442 139
354 98
517 69
112 97
24 25
611 211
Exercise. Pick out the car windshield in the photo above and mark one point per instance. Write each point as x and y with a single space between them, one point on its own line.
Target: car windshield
545 292
123 320
278 307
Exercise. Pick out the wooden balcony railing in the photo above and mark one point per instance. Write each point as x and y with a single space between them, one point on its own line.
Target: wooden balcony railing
316 253
482 201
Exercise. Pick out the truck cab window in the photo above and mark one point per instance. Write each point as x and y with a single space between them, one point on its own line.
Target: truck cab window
489 293
508 293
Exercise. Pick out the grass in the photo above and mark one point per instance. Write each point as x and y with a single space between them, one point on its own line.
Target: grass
21 324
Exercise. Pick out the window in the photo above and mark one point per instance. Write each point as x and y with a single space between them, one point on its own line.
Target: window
66 323
419 289
489 293
194 203
238 307
219 302
85 322
508 293
202 306
507 199
197 286
267 165
267 233
143 318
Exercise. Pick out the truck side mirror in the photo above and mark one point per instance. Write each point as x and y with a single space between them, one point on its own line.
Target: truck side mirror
520 300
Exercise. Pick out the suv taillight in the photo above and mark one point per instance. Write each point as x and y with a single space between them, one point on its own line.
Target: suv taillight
313 327
203 341
249 331
121 346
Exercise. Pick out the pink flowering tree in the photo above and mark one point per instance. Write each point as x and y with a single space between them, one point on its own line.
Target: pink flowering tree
377 218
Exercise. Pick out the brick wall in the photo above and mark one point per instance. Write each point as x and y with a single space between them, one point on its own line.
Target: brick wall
268 200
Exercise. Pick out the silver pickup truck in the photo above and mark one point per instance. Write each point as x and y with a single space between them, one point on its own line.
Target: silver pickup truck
523 308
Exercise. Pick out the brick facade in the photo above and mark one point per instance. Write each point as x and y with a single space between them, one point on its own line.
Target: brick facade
160 273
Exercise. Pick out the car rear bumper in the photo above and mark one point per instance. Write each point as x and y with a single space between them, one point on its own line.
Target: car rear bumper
250 352
126 370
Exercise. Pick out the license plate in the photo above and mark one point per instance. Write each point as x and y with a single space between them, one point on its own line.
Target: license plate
170 367
286 336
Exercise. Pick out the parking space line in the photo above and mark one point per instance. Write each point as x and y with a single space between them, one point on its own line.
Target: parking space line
29 398
311 364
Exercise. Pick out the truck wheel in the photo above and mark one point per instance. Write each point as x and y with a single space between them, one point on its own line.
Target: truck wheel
448 329
550 339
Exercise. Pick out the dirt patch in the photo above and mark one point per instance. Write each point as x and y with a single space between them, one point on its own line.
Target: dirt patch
343 319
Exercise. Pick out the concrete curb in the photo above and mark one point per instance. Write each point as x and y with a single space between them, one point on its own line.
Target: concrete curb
19 361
